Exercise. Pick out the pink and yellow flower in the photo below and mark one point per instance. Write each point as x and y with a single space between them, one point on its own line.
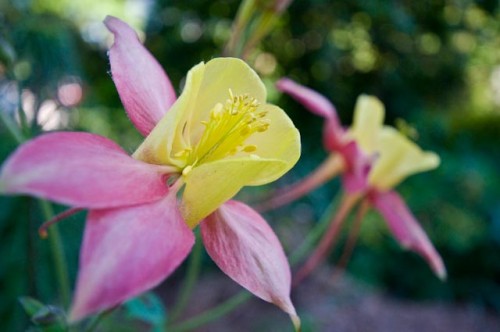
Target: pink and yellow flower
372 159
200 149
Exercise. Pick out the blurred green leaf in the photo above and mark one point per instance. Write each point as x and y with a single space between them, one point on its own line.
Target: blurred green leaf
148 308
7 53
47 318
49 315
30 305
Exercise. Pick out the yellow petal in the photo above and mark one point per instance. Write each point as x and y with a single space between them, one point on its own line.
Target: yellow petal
218 151
368 120
222 74
166 138
209 185
206 86
280 141
398 158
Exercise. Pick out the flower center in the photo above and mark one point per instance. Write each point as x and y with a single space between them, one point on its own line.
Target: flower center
226 131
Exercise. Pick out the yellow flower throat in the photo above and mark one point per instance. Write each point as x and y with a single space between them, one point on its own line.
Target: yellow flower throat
226 131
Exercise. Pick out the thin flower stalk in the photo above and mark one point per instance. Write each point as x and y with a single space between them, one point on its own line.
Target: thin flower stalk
328 239
351 240
57 251
254 21
193 270
56 247
329 169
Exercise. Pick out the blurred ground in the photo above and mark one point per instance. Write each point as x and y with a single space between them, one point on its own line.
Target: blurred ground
341 306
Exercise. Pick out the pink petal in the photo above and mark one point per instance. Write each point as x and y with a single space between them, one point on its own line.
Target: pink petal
244 246
144 88
316 103
312 100
127 251
406 229
333 135
80 169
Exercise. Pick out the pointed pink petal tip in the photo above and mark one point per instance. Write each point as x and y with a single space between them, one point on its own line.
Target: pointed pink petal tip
127 251
245 248
317 104
117 26
313 101
144 88
296 322
407 230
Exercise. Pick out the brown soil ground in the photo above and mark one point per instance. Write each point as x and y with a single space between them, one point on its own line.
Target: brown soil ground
340 306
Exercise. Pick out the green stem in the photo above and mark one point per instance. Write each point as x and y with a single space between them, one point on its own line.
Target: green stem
351 240
212 314
192 274
315 234
264 24
236 300
23 121
245 13
57 251
11 127
97 319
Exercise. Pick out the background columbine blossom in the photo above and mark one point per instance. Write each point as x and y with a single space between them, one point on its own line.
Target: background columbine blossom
434 65
373 159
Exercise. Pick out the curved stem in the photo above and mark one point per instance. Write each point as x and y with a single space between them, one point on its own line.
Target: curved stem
23 120
351 240
264 24
192 274
98 319
57 251
315 234
328 169
245 13
12 128
212 314
42 230
326 243
56 246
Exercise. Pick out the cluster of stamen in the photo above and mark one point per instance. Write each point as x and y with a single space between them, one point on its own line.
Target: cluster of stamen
226 131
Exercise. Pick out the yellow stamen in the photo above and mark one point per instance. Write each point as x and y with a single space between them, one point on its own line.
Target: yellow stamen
184 153
249 148
228 127
186 170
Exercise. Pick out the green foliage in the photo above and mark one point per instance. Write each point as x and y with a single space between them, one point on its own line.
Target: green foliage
149 309
46 318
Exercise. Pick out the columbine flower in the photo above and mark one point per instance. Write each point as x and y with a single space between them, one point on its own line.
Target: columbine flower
373 159
217 137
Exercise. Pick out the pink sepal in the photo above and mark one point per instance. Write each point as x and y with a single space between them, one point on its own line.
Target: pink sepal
82 170
406 229
145 90
333 133
244 247
127 251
